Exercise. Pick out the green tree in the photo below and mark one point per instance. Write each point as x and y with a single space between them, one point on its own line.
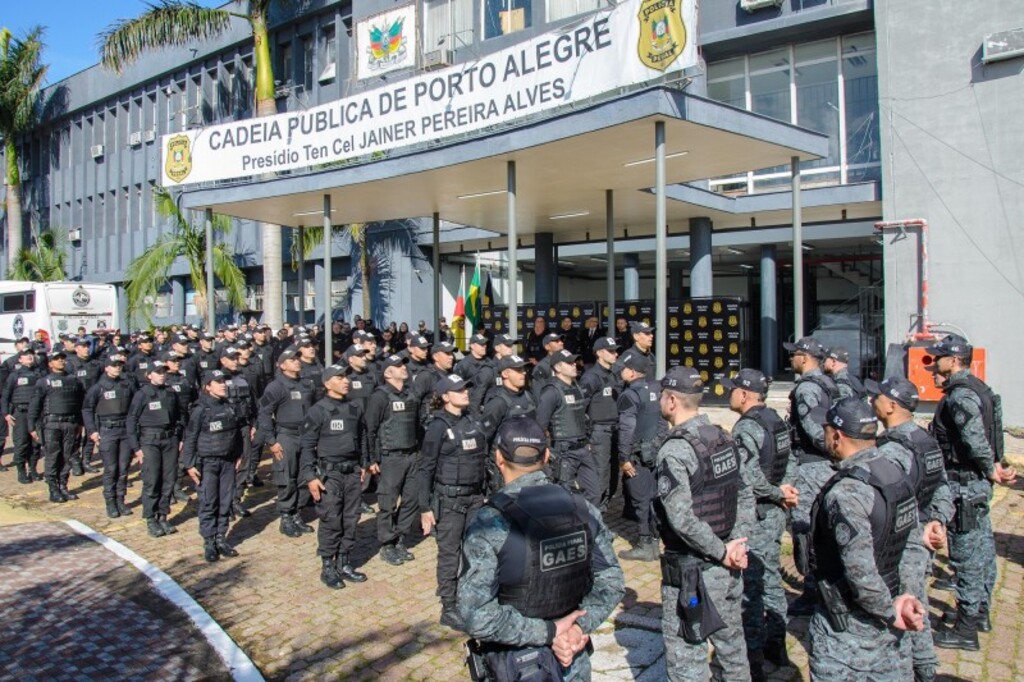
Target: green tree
313 237
21 80
149 272
45 261
175 23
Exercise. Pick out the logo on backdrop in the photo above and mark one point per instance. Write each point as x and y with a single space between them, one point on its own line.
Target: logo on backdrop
179 158
662 33
386 44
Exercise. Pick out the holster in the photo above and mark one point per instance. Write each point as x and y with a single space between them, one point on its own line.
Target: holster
836 610
969 510
505 664
698 616
475 662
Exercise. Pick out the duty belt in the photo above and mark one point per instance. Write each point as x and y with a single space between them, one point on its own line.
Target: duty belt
963 475
62 418
159 432
20 407
345 467
407 451
112 423
563 445
673 563
604 426
459 490
293 430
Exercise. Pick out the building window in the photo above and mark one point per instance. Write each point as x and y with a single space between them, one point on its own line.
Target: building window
329 69
306 65
727 82
447 24
285 65
860 84
506 16
563 9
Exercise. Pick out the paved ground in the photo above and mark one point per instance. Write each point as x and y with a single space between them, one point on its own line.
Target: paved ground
270 601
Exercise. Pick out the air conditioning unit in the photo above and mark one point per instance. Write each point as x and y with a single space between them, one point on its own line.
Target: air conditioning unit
283 89
96 150
1002 45
148 136
75 234
754 5
436 59
134 139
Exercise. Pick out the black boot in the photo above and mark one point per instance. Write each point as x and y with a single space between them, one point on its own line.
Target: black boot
774 652
180 495
450 617
924 673
329 573
154 528
65 492
112 511
756 659
166 525
23 476
123 508
35 475
346 571
944 584
401 549
76 468
288 527
962 635
239 510
984 622
89 468
391 555
224 548
301 525
210 552
646 549
55 495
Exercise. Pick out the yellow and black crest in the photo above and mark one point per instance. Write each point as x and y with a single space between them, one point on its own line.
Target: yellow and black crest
178 162
662 33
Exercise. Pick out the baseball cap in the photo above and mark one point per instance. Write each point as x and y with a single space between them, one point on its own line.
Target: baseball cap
635 362
171 356
208 336
215 375
521 441
852 416
837 353
145 338
552 337
605 343
157 366
230 350
443 347
303 341
27 351
394 361
56 355
950 345
333 371
354 350
418 341
114 359
897 389
82 341
504 340
286 354
748 379
563 356
683 380
452 382
807 344
479 339
511 362
640 327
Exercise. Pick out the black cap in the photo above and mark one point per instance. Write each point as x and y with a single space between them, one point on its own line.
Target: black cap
950 345
242 344
683 380
144 338
452 382
333 371
286 354
838 353
563 356
521 440
898 389
114 359
56 355
230 351
807 344
443 347
26 351
157 366
511 362
171 356
635 362
479 339
82 341
605 343
749 380
552 337
640 327
215 375
504 340
852 416
354 350
394 361
418 341
207 336
303 342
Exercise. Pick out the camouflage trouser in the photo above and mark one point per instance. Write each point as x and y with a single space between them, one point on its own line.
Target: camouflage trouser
811 477
918 561
867 650
973 554
764 598
689 662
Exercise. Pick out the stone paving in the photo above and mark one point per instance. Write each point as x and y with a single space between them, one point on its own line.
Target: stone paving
270 600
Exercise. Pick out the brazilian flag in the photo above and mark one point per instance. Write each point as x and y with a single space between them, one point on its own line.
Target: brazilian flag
473 312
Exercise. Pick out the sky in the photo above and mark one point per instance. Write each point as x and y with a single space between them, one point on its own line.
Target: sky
72 27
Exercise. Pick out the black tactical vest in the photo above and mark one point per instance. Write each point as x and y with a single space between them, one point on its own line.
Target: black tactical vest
775 450
339 433
800 437
852 383
63 395
398 429
206 361
569 420
180 384
544 567
218 431
604 408
648 412
893 517
240 397
361 387
926 464
463 456
25 379
114 397
714 487
519 404
290 413
947 431
161 407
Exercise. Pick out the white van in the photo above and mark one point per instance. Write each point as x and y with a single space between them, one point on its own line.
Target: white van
53 308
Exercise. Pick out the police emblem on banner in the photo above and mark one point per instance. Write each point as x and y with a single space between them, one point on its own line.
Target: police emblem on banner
662 33
702 321
688 362
178 161
719 389
576 311
552 312
716 307
674 350
673 322
632 310
718 335
688 335
497 326
529 312
733 321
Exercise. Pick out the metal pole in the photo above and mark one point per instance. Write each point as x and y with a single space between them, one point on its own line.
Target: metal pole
661 249
301 284
211 296
436 258
609 268
513 254
798 254
769 316
328 309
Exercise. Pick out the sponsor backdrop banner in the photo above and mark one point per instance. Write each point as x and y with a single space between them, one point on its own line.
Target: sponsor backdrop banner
386 42
632 43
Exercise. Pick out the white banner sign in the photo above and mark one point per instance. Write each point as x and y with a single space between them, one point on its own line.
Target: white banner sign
386 42
633 43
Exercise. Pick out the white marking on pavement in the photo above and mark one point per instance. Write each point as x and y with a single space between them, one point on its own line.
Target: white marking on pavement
240 665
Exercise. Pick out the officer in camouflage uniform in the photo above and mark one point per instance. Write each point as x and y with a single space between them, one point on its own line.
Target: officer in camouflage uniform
705 511
523 617
812 390
763 439
860 525
837 366
910 447
968 427
600 389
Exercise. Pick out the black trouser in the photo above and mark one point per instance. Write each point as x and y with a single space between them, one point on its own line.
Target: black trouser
453 513
116 457
338 509
574 465
216 492
24 447
642 489
396 496
83 451
159 473
602 437
59 440
243 474
291 497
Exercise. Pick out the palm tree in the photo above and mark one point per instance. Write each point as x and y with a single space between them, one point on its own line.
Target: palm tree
21 79
148 273
313 237
45 261
174 22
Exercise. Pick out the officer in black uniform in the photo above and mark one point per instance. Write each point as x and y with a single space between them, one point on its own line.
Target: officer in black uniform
542 373
283 409
362 381
263 352
470 366
188 365
333 462
392 422
562 412
139 362
442 356
206 358
242 397
310 367
154 424
55 414
452 474
252 371
418 350
489 377
600 388
87 370
643 344
641 430
185 388
7 367
509 400
211 451
105 413
18 391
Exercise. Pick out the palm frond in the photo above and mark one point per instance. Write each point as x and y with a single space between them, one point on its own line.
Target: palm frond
165 24
147 273
44 261
230 275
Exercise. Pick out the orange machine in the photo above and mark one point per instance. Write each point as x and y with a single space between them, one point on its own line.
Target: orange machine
918 362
